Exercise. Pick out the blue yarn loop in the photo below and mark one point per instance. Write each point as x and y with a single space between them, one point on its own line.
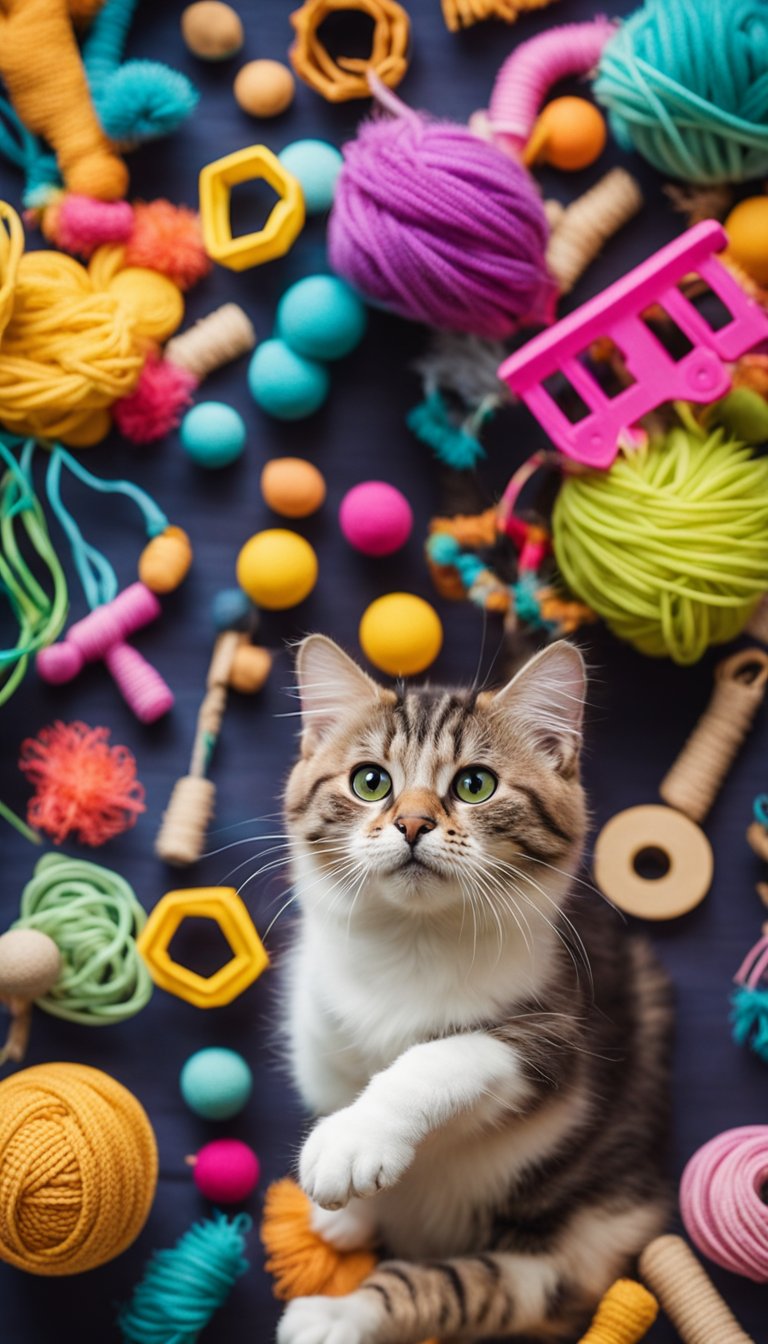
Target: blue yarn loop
139 100
454 445
749 1019
183 1286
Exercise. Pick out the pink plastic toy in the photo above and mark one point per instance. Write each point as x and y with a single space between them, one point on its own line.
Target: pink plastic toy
102 635
699 376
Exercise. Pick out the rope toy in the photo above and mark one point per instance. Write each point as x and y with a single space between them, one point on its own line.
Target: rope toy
83 786
625 1315
670 546
721 1201
78 1169
687 1294
340 80
434 224
580 231
183 1286
460 14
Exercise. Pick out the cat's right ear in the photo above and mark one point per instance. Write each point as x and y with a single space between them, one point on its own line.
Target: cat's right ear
329 683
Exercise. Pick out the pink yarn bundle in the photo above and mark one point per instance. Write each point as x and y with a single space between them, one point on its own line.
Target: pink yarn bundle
721 1201
438 226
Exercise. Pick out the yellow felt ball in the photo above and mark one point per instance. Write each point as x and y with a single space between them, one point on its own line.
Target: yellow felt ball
569 134
264 88
211 30
292 487
747 229
277 569
401 634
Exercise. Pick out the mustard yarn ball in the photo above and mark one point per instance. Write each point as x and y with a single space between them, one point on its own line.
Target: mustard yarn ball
670 546
401 634
264 88
277 569
212 30
747 229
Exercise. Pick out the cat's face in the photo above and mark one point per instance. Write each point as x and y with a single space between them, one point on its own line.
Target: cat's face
433 799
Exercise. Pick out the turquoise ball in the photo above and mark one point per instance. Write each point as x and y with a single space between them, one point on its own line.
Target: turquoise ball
317 165
233 610
321 317
213 434
285 384
216 1083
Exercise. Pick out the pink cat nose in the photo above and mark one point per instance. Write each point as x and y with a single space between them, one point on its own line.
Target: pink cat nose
412 828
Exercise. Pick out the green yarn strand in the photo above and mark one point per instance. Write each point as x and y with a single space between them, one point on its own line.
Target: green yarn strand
670 546
93 916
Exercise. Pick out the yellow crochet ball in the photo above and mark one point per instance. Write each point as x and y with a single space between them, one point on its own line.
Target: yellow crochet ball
401 634
264 88
569 134
747 229
292 487
277 569
212 30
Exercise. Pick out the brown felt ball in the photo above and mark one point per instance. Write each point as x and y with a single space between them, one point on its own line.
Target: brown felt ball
212 30
264 88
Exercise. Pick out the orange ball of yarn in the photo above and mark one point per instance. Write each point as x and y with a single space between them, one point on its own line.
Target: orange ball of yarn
78 1169
300 1262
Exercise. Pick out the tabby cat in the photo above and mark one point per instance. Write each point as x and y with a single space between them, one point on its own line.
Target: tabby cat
485 1041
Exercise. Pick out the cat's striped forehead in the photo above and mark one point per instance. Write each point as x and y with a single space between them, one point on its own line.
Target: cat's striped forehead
443 725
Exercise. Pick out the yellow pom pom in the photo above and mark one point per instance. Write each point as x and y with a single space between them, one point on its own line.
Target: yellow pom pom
401 634
747 229
569 134
277 569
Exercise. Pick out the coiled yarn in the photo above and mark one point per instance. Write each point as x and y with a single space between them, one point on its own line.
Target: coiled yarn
78 1169
670 546
94 918
686 85
722 1204
436 225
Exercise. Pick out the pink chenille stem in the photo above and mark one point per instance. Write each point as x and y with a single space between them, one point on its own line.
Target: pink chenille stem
140 685
88 640
527 75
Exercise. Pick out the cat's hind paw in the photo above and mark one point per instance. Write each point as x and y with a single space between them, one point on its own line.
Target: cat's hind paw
350 1154
328 1320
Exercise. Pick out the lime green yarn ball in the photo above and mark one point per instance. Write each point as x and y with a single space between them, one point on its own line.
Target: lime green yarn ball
670 546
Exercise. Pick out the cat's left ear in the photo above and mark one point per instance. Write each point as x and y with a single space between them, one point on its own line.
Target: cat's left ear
546 699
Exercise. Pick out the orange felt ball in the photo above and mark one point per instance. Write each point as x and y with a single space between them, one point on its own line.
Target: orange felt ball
264 88
292 487
569 134
211 30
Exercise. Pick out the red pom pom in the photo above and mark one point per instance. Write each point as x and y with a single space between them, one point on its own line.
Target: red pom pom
168 238
83 786
157 403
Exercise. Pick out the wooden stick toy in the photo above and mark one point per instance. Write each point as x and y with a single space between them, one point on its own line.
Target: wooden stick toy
581 230
687 1294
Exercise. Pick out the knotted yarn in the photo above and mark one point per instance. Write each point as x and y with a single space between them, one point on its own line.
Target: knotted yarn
436 225
300 1261
722 1202
78 1169
686 85
670 546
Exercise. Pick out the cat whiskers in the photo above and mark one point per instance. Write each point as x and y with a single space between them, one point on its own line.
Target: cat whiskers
516 875
491 892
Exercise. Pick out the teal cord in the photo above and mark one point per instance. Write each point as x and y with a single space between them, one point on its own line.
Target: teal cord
23 149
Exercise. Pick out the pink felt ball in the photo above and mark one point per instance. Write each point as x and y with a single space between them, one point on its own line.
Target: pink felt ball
226 1171
375 518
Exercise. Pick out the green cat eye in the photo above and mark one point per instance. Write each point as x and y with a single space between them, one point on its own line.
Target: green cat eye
475 784
371 783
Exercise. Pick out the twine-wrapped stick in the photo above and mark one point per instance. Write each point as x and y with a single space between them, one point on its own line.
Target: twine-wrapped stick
580 230
687 1294
241 666
694 780
213 341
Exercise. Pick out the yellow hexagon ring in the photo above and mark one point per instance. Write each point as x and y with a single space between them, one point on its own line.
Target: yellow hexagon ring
224 906
283 226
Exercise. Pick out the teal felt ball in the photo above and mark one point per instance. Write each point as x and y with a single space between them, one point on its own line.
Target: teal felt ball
216 1083
213 434
285 384
321 317
317 165
232 609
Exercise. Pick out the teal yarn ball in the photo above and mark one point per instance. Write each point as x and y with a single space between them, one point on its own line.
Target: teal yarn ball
216 1083
213 434
685 83
284 383
320 317
317 165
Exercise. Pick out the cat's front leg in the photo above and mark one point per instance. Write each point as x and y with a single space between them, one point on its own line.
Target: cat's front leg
366 1147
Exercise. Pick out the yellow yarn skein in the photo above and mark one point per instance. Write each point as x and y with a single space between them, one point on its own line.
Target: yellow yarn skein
625 1315
670 546
78 1169
73 341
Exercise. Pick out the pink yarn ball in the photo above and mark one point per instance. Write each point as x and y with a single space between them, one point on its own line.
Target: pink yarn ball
226 1171
375 518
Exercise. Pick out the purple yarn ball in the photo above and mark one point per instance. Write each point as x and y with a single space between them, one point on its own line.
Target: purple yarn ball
438 226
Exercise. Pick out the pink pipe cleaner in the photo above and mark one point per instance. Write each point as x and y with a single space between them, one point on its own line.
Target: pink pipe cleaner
721 1203
527 75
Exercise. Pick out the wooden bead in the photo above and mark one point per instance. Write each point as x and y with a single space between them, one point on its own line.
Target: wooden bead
652 827
212 30
250 668
30 963
165 561
264 88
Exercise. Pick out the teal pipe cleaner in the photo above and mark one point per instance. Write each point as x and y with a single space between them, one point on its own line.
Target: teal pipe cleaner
182 1287
26 152
686 85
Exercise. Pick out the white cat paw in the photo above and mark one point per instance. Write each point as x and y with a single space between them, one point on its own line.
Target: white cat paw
350 1154
328 1320
349 1229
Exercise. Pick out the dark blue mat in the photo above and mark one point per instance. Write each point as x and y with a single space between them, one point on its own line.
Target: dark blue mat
640 710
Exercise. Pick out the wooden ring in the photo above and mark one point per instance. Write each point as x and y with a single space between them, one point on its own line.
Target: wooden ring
340 80
685 846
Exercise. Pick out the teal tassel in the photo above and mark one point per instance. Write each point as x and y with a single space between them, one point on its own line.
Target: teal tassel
182 1287
139 100
749 1019
451 444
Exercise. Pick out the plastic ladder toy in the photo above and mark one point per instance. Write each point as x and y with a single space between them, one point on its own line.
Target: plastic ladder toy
700 375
